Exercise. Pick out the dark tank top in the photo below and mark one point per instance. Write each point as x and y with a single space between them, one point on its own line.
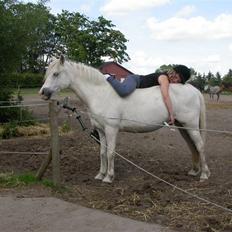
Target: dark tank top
150 80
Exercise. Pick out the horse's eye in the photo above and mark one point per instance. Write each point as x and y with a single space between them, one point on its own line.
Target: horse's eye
55 74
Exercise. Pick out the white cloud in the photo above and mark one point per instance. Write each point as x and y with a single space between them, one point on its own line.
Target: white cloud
143 63
186 11
230 47
85 8
193 28
212 59
115 7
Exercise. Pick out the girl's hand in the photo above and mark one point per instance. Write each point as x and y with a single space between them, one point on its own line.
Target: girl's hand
171 119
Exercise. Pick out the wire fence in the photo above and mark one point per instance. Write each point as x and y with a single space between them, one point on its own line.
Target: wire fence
39 103
18 122
132 163
164 124
22 105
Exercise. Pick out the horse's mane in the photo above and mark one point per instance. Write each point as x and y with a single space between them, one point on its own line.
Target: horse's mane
88 72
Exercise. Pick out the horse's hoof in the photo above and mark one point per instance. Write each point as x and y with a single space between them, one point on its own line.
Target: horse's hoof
108 179
99 176
203 177
193 172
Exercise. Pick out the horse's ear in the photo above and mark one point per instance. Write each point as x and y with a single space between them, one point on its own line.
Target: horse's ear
53 58
62 59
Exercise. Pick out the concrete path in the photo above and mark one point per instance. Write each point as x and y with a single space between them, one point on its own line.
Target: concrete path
54 215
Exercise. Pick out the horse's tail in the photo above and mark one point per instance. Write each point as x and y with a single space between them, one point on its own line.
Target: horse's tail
202 121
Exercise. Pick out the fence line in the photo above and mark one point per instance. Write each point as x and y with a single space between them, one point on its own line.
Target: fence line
157 124
23 152
23 105
55 153
18 101
114 118
29 120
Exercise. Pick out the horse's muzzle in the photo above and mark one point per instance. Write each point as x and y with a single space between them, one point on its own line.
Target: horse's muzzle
46 93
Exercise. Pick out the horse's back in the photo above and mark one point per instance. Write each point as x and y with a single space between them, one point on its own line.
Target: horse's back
179 93
148 105
214 89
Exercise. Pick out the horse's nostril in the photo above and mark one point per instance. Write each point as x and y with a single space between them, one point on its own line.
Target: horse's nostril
46 92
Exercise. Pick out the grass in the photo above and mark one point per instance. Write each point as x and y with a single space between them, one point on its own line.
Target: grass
11 180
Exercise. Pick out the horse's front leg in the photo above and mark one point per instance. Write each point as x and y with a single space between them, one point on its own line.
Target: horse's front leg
111 136
103 157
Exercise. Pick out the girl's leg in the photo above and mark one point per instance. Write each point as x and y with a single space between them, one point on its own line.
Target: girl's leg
126 87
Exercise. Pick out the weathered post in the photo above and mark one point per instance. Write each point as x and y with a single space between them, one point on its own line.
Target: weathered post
55 147
44 166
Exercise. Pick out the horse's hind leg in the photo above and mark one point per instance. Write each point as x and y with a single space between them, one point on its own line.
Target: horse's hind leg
103 157
195 155
199 144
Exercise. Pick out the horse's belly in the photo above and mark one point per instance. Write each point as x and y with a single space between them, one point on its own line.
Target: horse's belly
139 129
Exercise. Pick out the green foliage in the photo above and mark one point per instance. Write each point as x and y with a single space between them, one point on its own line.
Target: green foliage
227 79
16 114
198 81
12 180
65 127
31 35
90 41
25 80
214 80
9 130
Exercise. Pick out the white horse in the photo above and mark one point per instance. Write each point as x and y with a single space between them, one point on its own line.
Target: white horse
213 90
142 111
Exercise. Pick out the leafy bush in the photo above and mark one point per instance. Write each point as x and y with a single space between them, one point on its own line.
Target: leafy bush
9 130
18 114
25 80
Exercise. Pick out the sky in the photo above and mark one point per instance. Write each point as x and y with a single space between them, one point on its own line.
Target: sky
197 33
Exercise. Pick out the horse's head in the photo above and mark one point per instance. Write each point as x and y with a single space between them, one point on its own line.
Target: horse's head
56 78
206 88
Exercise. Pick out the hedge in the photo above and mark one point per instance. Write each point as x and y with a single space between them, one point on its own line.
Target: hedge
25 80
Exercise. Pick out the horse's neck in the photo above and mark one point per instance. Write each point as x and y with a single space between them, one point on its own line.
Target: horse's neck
89 90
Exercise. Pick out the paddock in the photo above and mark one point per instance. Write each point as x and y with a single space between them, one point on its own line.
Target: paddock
133 193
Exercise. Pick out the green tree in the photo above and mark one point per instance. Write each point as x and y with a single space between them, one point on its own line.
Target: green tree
11 47
15 32
90 41
198 80
38 22
213 80
216 80
227 79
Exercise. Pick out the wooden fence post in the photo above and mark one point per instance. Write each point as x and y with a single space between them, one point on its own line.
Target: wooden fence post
55 146
44 166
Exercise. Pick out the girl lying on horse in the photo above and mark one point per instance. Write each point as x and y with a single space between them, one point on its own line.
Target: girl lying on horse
179 74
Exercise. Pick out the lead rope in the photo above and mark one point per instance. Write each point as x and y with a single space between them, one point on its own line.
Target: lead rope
166 182
96 138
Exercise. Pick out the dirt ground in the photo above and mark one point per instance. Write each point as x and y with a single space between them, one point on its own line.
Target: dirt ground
133 193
